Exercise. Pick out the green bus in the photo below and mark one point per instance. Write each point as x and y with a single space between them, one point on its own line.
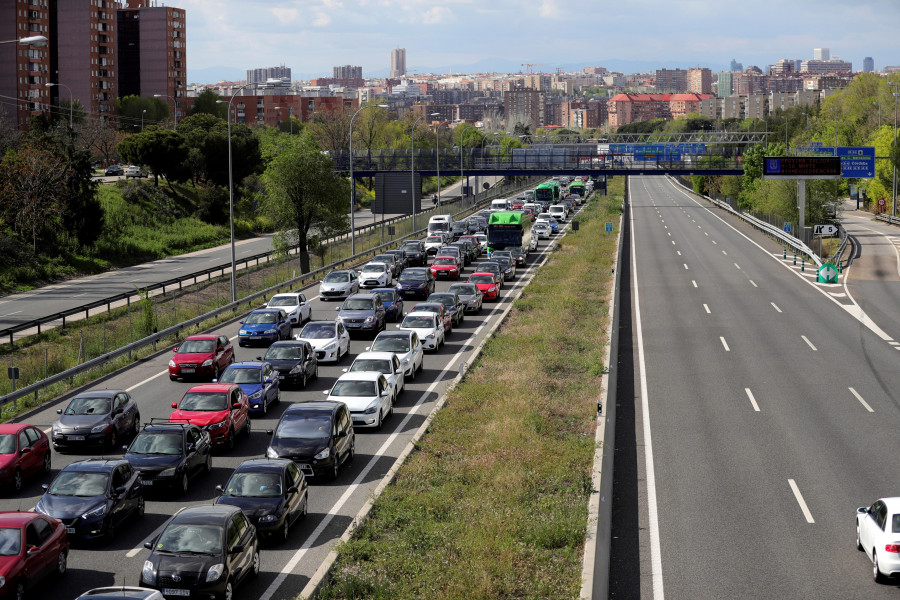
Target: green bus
548 192
576 188
508 229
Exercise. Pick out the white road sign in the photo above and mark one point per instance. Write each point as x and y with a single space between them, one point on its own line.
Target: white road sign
825 230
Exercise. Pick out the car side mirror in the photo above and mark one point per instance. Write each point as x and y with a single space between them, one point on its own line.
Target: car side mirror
241 322
175 349
45 486
124 448
341 434
190 447
220 490
33 550
237 549
326 392
368 348
121 490
385 393
26 450
215 381
237 404
397 325
119 411
270 431
268 381
292 490
862 510
398 371
338 309
59 411
174 405
148 545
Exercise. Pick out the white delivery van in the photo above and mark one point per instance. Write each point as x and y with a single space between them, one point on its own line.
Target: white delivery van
500 204
558 212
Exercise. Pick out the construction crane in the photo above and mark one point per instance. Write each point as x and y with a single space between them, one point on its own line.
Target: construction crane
531 66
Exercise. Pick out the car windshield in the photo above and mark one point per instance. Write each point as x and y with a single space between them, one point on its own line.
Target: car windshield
254 485
391 344
422 322
481 278
301 427
257 318
444 261
434 239
384 258
241 375
79 483
318 331
88 406
413 276
463 289
373 269
488 267
445 300
430 307
284 301
411 247
354 388
385 296
283 353
8 443
156 443
197 346
10 541
190 539
359 304
379 365
337 278
204 401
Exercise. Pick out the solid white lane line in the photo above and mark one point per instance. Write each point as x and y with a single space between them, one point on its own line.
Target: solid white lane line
80 295
861 401
809 343
694 282
10 314
801 501
707 309
894 343
752 399
724 343
650 474
775 306
753 283
737 266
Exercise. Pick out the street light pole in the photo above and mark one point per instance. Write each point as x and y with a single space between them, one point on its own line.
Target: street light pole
38 41
143 112
353 179
174 108
437 160
412 168
71 99
896 95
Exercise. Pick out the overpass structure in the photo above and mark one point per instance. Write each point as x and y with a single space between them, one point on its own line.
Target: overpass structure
698 153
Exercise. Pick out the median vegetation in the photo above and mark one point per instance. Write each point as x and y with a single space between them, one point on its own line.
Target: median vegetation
493 502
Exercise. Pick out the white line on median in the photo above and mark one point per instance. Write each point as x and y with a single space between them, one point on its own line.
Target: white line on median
752 399
809 343
685 267
715 242
775 306
860 398
724 343
678 252
801 501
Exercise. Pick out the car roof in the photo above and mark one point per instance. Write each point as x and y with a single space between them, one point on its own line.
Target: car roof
361 375
205 336
263 464
398 333
13 427
320 323
318 406
265 310
364 296
99 465
98 394
421 313
246 364
414 270
212 387
375 262
205 513
441 295
289 343
481 273
384 289
120 592
15 517
375 355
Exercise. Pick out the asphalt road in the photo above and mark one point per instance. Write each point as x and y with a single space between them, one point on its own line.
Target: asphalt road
763 411
286 568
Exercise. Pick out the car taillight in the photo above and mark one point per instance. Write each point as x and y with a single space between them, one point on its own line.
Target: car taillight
892 548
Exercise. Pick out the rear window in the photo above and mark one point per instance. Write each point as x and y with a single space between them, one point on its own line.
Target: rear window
895 523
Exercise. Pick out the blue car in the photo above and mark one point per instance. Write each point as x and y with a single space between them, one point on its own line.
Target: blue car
393 303
264 327
259 380
416 282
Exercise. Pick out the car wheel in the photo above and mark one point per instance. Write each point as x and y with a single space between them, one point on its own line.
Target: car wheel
286 530
136 426
335 469
254 565
859 545
17 481
379 423
876 572
216 371
305 510
304 380
111 530
352 453
112 440
141 508
228 592
173 378
62 564
265 405
208 465
47 466
229 445
184 483
247 427
316 372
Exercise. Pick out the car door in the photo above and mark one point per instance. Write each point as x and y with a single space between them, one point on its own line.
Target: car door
293 478
399 375
135 491
418 352
241 414
37 535
304 308
29 460
270 380
224 351
870 530
117 417
202 444
193 456
40 446
343 338
121 504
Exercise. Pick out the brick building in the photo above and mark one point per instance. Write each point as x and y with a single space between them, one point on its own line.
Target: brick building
524 106
699 81
669 80
24 70
631 108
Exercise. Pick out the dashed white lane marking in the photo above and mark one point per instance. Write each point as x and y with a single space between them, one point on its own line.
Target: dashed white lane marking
10 314
724 343
861 401
677 252
685 267
694 282
706 307
752 399
715 242
737 266
809 343
801 501
775 306
753 283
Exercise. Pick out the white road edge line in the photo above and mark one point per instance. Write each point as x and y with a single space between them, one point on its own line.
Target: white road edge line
861 401
805 339
752 399
801 501
724 343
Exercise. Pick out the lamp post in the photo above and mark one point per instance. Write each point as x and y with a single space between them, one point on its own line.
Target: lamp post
143 112
71 99
437 161
38 41
896 95
290 115
174 108
352 179
412 167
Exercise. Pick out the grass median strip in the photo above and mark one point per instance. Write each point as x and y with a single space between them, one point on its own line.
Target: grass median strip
493 502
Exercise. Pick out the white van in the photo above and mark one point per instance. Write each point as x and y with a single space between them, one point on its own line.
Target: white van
558 212
440 219
500 204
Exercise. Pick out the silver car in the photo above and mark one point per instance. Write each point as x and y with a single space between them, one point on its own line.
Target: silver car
339 284
470 296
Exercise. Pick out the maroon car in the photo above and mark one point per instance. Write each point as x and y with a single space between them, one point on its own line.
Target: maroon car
201 357
24 451
32 547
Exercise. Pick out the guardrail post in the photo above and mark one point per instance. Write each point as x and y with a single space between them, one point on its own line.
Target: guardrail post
803 263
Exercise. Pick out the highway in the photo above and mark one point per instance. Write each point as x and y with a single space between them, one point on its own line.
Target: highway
286 569
761 412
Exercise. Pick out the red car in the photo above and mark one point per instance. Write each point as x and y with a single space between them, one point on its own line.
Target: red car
32 547
222 409
201 356
445 267
485 282
24 451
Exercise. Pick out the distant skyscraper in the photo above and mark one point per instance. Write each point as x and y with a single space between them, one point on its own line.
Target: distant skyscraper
726 81
398 62
263 75
347 72
821 54
868 64
736 66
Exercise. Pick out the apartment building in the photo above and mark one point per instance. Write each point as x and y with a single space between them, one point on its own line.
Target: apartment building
347 72
524 106
24 70
631 108
699 81
398 62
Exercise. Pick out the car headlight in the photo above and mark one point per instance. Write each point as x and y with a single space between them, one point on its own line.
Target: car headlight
99 428
256 395
207 363
493 289
243 332
370 319
214 572
323 454
218 425
148 573
297 369
371 410
172 363
97 512
39 507
270 452
168 472
429 336
331 346
405 362
268 518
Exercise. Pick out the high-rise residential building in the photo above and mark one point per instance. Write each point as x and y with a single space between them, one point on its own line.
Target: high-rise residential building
24 70
735 66
538 81
83 53
263 75
824 67
398 62
821 54
783 66
524 106
699 81
347 72
153 53
669 80
595 70
725 85
868 64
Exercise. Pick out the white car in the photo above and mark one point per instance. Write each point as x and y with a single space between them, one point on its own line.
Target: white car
294 304
428 326
329 339
482 240
407 347
541 228
385 363
558 212
375 274
134 171
432 243
368 396
339 284
878 535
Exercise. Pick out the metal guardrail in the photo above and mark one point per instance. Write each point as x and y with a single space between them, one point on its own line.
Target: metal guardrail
156 337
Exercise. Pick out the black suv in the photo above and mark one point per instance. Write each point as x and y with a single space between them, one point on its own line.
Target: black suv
295 361
169 453
202 552
415 253
318 436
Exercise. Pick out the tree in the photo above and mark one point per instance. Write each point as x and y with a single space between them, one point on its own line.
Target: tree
134 111
206 137
32 191
164 151
207 103
302 191
331 129
83 216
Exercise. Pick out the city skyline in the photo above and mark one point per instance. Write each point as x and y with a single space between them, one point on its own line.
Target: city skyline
313 36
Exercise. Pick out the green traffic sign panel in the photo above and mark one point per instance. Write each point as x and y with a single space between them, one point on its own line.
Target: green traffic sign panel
827 273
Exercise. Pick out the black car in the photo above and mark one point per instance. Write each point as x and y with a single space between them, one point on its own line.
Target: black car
96 418
415 253
273 493
93 497
402 258
452 303
415 282
202 552
468 250
121 592
294 360
493 268
318 436
507 266
458 228
112 170
169 453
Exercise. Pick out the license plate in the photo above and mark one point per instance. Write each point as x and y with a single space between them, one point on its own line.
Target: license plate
252 337
146 482
70 530
281 377
171 592
76 438
188 370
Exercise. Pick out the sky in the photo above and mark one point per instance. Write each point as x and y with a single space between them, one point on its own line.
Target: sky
312 36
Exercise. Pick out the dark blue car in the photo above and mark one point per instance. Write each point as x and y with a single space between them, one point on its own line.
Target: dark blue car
417 282
362 312
93 497
393 303
260 382
264 327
